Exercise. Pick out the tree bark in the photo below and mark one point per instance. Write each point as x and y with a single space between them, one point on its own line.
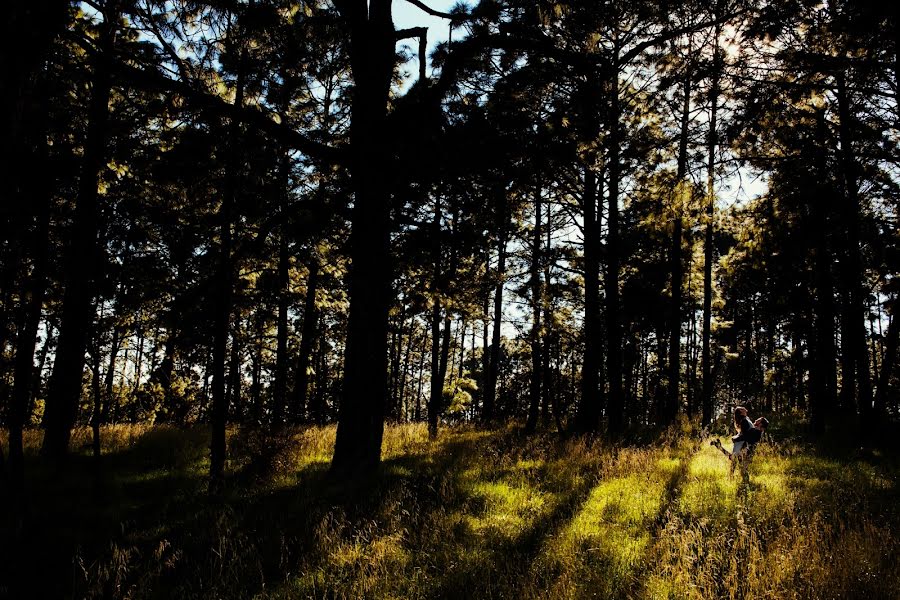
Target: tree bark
490 392
25 382
853 321
361 414
674 383
615 407
83 257
280 384
224 299
536 304
706 399
588 418
307 338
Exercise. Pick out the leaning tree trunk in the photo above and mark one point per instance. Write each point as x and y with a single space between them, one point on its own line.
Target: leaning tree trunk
361 414
83 257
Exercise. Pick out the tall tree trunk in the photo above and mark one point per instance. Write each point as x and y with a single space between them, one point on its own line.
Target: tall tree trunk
25 383
674 387
96 390
256 379
823 373
110 378
887 365
418 410
588 418
615 407
490 392
280 385
437 377
83 257
492 361
361 417
706 400
547 396
404 374
224 297
536 304
854 333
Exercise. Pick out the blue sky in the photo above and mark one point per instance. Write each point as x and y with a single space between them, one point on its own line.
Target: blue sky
406 15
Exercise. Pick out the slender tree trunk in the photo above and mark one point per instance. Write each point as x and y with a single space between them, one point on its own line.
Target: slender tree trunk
536 302
422 353
83 257
437 377
887 366
96 393
854 334
549 390
674 387
588 418
615 408
256 379
307 338
224 297
404 374
706 400
109 379
280 384
490 391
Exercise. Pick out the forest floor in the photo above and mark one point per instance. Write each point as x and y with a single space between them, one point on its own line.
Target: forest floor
473 514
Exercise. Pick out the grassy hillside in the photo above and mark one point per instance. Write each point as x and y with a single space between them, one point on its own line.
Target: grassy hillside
479 514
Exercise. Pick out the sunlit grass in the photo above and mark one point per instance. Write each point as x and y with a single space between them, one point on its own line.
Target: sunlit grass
474 513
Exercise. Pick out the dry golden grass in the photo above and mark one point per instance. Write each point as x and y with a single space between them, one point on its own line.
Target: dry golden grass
485 514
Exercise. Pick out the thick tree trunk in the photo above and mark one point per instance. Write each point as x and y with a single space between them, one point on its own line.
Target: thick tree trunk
361 417
83 258
25 382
